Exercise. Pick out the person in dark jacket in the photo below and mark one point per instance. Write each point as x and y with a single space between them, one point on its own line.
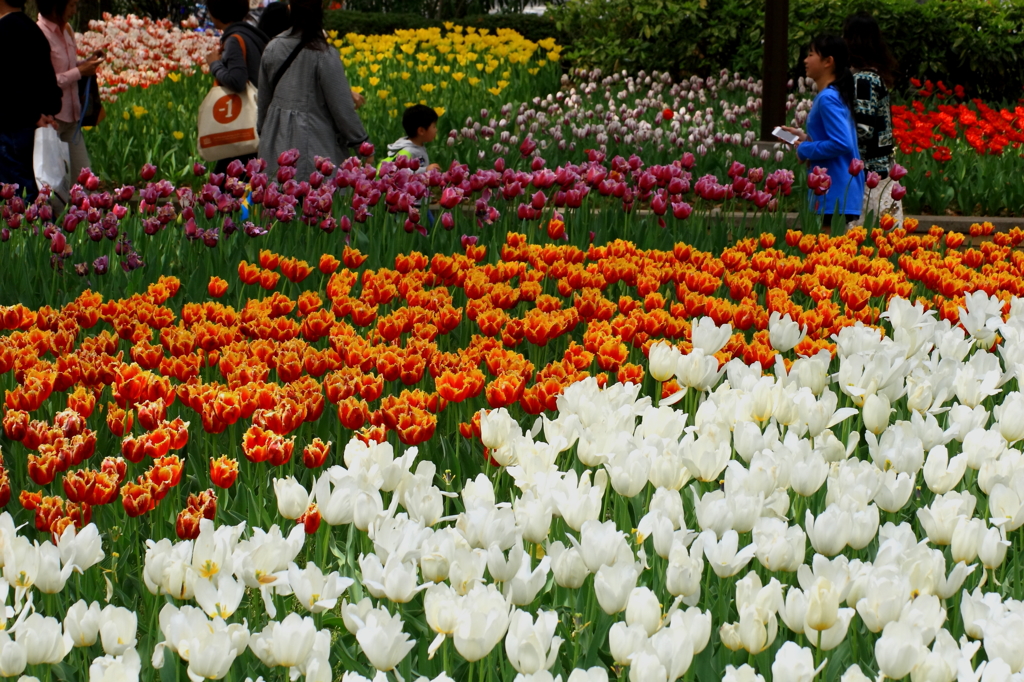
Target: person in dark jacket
34 97
274 19
232 65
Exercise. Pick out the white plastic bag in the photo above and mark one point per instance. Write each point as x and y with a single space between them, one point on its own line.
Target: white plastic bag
51 161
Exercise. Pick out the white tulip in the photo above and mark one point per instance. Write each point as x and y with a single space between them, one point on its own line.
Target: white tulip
941 473
643 607
708 337
662 360
626 640
43 640
315 591
531 646
992 548
123 668
382 640
292 498
496 427
614 583
725 556
899 650
794 663
783 333
523 588
568 566
829 532
82 623
482 622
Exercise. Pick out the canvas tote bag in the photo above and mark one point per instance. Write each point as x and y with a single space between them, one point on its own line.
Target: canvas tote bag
227 121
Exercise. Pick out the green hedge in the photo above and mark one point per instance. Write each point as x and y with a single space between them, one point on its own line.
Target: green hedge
531 26
974 43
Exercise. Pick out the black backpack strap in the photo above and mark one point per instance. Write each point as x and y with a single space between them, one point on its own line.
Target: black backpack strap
283 68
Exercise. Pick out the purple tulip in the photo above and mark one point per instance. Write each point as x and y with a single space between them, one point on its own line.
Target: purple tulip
101 264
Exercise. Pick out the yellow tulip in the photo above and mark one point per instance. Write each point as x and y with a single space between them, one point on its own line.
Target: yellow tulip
427 87
374 81
439 111
383 94
175 77
178 135
458 76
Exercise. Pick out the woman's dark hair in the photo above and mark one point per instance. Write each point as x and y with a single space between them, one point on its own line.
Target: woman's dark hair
274 19
308 21
867 47
228 11
51 9
833 46
17 4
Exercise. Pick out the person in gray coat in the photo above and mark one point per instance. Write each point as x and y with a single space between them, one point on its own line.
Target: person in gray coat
311 108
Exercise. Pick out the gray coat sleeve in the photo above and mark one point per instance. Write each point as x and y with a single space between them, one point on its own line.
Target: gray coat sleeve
231 70
263 96
338 96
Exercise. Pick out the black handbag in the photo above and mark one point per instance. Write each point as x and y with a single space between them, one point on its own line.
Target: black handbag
89 97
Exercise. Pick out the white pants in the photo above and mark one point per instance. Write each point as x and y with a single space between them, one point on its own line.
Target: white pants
877 202
79 154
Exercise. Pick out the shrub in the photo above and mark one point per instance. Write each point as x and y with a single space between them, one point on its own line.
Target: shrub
974 43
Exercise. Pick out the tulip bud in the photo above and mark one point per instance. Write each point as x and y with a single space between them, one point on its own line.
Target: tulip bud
898 191
897 172
876 413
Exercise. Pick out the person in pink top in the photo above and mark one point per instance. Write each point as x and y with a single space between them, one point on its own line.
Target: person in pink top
53 20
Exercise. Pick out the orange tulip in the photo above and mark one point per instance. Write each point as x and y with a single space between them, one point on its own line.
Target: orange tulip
328 264
269 259
187 524
353 413
248 273
352 257
223 471
315 453
217 287
138 498
310 519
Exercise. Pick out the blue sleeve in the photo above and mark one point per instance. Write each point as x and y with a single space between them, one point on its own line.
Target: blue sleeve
835 118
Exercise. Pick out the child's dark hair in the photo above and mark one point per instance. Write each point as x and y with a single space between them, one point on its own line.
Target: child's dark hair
833 46
228 11
275 19
867 47
417 116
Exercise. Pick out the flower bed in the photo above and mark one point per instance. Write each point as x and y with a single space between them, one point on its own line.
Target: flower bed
304 444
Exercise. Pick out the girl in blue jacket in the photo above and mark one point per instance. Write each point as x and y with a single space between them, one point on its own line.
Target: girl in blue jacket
831 137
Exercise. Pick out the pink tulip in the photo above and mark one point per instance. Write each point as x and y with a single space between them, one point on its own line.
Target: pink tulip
681 210
872 180
897 172
527 147
856 166
148 171
898 191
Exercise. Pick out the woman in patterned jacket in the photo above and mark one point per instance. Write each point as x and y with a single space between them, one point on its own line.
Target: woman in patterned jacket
873 65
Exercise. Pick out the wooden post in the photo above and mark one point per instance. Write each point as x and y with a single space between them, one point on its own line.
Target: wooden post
775 64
